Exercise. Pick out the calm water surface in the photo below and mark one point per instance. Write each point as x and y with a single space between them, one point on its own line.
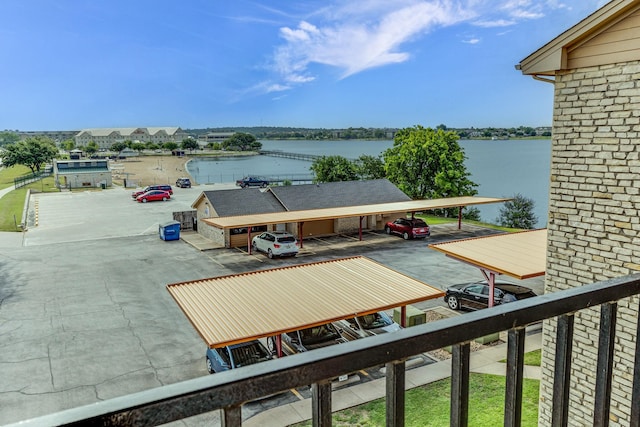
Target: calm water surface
500 168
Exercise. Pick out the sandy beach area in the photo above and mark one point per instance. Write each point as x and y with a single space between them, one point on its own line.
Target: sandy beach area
146 170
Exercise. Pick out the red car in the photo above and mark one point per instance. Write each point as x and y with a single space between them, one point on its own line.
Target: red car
408 228
153 195
163 187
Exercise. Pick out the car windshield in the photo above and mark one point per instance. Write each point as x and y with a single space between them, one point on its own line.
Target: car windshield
286 239
419 223
249 354
318 334
375 320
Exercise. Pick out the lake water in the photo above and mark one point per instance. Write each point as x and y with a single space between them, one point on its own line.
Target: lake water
500 168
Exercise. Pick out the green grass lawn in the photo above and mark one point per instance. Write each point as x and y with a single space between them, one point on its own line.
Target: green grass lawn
428 406
11 204
433 220
7 175
532 358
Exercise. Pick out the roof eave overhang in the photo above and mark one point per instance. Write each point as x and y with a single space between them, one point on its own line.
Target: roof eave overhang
551 58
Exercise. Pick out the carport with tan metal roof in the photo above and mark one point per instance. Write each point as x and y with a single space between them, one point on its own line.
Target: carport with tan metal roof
360 211
233 309
520 255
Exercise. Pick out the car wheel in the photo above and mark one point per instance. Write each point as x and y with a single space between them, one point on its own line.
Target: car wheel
264 184
387 230
164 199
144 200
453 303
210 366
405 236
270 253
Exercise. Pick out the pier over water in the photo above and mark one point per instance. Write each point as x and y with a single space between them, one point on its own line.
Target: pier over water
295 156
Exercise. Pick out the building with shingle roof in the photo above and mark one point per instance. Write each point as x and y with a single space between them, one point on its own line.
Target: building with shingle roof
251 201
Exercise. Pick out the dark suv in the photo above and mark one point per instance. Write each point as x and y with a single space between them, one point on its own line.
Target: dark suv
183 183
408 228
252 181
163 187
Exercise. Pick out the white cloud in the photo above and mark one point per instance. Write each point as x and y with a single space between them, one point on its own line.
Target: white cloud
355 36
496 23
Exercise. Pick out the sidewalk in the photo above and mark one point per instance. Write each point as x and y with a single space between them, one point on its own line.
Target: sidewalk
484 361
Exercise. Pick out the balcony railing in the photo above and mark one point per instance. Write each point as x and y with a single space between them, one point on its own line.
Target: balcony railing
229 390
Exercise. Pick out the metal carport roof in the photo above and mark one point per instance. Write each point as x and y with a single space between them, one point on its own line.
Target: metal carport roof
348 211
521 255
231 309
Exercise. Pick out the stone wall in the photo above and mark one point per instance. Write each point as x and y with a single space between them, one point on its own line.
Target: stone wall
594 223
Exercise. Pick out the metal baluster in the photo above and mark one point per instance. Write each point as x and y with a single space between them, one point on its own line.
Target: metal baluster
395 380
562 374
321 404
635 393
460 385
513 390
232 416
604 369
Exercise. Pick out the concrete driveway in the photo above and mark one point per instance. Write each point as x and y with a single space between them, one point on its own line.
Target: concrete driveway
96 214
85 314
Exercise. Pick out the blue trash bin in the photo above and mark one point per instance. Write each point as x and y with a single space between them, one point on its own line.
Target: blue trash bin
169 230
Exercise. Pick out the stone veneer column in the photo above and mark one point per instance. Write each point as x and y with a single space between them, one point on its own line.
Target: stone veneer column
594 223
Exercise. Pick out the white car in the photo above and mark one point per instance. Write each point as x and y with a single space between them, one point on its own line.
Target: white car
368 325
275 243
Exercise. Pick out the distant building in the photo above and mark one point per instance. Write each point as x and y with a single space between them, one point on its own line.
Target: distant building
106 137
207 138
56 136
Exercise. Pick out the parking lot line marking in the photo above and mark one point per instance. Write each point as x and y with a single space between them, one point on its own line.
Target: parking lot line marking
296 394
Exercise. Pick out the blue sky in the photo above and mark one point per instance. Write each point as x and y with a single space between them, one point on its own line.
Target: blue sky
73 64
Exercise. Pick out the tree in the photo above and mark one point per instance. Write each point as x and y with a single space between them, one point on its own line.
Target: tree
518 213
138 146
91 148
242 142
471 213
334 168
428 164
370 167
170 145
118 147
189 144
32 152
8 137
68 144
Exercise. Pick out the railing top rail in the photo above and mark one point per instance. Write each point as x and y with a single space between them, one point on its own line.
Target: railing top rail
232 388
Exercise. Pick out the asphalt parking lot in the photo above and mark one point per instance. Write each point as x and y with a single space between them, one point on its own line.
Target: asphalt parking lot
85 314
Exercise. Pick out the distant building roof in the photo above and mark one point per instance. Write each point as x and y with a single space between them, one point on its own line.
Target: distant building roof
130 131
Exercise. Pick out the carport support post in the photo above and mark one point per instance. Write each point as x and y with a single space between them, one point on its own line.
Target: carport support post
279 345
249 239
403 316
460 217
491 279
300 239
360 228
